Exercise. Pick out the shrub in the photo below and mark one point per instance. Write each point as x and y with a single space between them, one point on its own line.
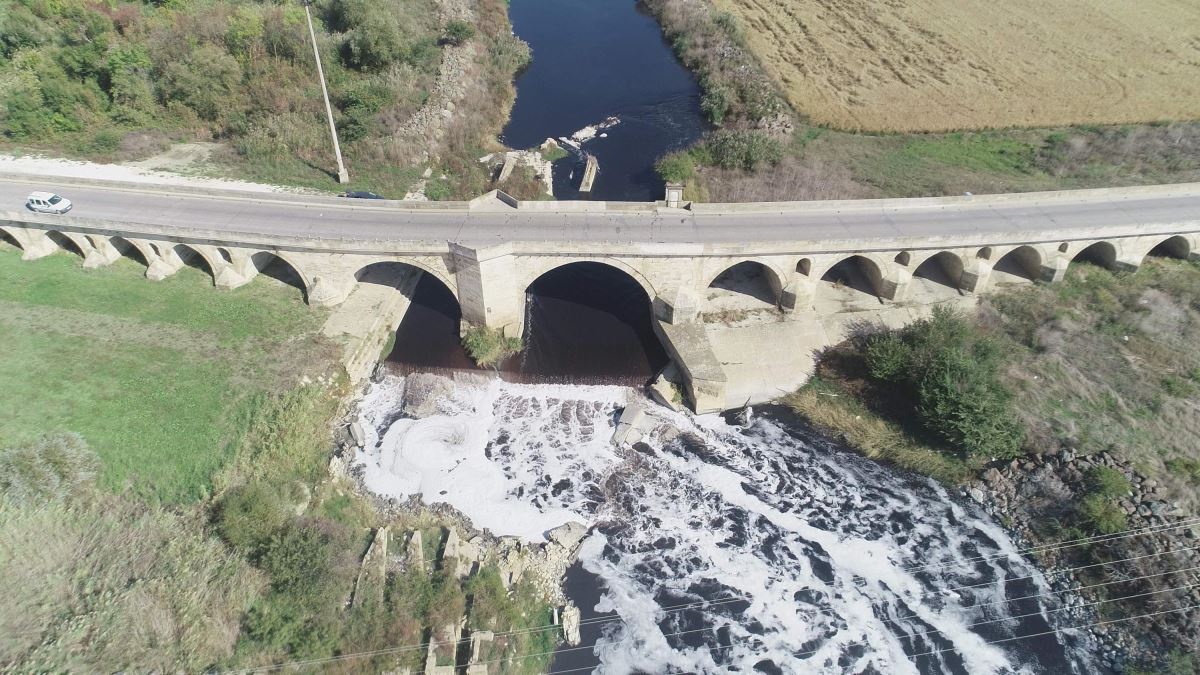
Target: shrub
952 371
1107 482
249 515
48 469
1101 515
297 557
676 167
458 32
489 346
716 103
206 81
1188 469
743 149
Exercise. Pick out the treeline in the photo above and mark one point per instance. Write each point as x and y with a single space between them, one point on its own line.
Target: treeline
117 80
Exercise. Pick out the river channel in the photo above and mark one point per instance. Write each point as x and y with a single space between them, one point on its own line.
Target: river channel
741 543
597 60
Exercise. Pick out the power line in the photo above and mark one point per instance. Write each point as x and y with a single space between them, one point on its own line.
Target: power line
682 607
1097 539
1060 630
671 609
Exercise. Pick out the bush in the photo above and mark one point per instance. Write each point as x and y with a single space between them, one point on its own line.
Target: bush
676 167
952 372
489 346
716 103
297 558
1100 515
248 516
1188 469
49 469
743 149
458 32
1107 482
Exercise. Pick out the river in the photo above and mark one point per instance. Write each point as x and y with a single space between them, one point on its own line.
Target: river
720 545
594 60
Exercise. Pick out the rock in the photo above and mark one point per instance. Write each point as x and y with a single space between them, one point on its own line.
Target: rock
357 434
1144 511
1160 508
422 392
1149 484
664 390
977 494
632 425
992 477
570 623
568 535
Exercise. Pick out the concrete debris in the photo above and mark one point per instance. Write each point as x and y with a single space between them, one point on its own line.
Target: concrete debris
570 625
632 426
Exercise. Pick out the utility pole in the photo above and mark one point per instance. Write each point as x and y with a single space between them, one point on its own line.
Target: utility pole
343 176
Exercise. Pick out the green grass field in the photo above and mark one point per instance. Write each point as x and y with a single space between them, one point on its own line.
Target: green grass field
158 377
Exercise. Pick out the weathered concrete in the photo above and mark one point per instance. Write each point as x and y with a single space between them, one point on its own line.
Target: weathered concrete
768 281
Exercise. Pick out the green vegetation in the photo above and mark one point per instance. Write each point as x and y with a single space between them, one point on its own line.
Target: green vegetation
95 582
125 79
161 379
489 346
831 407
952 373
48 469
204 532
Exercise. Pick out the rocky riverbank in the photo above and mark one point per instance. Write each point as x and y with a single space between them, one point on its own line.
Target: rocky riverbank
1148 566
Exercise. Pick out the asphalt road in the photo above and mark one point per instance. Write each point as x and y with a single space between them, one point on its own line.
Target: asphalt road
324 218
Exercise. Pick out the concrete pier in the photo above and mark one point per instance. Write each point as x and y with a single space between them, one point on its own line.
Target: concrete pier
589 174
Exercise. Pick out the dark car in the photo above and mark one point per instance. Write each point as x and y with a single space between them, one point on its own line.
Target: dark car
361 194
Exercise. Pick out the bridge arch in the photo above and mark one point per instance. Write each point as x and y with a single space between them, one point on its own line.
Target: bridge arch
1102 253
8 238
804 267
749 279
1023 263
129 249
852 280
280 268
616 263
943 268
65 242
195 259
1177 246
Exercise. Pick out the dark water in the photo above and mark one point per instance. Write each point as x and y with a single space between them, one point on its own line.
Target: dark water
593 59
585 323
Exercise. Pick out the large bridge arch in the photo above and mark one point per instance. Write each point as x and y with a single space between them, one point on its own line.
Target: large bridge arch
855 282
940 268
534 268
9 238
1020 264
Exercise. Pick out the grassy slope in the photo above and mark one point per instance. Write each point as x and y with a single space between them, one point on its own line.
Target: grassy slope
1101 362
156 376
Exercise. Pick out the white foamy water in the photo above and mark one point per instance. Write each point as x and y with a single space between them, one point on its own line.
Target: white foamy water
809 558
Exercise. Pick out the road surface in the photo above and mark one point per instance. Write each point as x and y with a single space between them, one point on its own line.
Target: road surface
328 218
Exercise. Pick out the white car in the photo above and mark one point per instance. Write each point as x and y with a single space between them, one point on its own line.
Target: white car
48 202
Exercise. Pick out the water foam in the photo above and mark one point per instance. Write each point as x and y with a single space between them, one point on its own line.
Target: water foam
814 559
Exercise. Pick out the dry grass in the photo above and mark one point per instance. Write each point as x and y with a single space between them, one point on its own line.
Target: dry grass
835 411
921 65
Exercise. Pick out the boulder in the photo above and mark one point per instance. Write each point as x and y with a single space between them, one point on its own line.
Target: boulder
570 623
422 392
357 434
632 426
568 535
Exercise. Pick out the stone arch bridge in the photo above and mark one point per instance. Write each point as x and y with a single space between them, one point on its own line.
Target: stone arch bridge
788 257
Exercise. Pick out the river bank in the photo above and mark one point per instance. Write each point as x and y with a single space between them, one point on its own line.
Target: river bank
1086 372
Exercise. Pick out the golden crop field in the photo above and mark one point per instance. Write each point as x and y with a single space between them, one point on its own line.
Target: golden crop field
925 65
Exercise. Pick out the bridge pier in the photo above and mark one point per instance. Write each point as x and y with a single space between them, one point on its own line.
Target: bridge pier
488 291
101 254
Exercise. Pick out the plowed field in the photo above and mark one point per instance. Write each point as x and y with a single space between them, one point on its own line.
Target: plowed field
924 65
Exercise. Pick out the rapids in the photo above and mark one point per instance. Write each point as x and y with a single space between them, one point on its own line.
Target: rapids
720 547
